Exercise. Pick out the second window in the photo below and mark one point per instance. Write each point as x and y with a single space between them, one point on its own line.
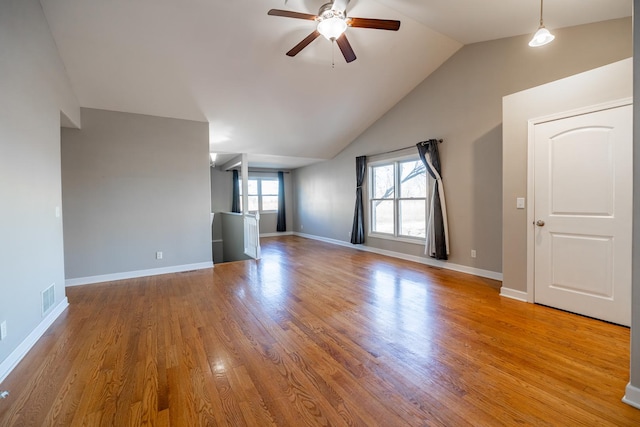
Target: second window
398 194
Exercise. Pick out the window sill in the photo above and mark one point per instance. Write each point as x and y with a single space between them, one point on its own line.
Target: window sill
417 241
263 212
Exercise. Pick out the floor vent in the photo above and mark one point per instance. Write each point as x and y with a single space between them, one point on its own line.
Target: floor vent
48 298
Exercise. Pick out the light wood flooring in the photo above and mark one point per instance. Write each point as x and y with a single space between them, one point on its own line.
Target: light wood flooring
317 335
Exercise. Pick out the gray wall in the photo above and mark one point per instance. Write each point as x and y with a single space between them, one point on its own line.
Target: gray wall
34 90
232 225
133 185
462 103
221 194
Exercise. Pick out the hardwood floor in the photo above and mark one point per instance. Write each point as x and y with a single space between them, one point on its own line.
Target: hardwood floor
315 334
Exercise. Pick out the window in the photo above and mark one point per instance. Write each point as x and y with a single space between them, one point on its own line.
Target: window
398 199
262 194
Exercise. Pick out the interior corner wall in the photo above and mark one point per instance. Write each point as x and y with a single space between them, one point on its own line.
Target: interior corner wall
34 89
460 102
221 194
133 185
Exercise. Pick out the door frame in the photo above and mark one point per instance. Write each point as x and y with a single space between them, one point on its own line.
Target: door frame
531 175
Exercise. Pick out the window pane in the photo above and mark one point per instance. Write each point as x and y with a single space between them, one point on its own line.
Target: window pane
253 187
383 182
412 218
269 187
382 216
253 203
269 203
413 179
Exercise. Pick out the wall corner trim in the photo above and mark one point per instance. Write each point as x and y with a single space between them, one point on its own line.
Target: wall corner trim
138 273
513 294
18 354
632 396
421 260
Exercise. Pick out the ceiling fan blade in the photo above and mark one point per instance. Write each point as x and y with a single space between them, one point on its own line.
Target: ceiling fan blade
290 14
304 43
345 48
378 24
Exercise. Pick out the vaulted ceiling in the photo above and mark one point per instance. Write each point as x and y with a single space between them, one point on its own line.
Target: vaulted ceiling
224 62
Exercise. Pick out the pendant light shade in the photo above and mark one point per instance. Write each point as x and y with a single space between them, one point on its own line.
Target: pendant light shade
542 36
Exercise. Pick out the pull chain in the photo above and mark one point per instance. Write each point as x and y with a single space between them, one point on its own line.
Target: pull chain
333 53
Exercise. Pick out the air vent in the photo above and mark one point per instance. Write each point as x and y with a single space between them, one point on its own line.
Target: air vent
48 298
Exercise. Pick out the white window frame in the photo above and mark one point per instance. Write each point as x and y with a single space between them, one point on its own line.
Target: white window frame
396 226
259 179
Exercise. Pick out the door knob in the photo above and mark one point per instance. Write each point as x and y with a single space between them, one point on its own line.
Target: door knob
540 223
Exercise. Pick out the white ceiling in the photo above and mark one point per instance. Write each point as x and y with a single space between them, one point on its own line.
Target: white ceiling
223 61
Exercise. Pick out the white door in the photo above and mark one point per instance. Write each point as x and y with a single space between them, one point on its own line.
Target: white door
583 214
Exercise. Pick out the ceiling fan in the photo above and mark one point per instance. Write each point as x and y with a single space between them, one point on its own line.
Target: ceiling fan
332 23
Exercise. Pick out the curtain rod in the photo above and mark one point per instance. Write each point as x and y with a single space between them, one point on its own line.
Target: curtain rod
261 170
406 148
431 140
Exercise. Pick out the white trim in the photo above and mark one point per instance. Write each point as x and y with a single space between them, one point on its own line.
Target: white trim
421 260
139 273
513 294
531 245
409 153
18 354
608 105
413 241
632 396
531 175
280 233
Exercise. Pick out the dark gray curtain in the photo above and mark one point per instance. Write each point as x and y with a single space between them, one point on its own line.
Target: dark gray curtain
357 232
282 217
437 240
235 196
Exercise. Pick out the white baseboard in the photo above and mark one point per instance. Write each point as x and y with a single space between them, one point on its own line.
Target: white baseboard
16 356
421 260
280 233
327 240
139 273
513 294
632 396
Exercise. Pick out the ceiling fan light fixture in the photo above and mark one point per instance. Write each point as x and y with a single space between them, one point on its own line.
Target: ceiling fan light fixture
542 36
332 28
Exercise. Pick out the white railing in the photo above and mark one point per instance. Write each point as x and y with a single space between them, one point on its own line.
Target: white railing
252 235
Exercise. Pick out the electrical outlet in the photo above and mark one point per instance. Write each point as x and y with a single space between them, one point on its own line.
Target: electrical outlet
302 227
473 253
3 330
159 255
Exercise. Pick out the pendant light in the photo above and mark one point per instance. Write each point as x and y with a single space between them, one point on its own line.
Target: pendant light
542 36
